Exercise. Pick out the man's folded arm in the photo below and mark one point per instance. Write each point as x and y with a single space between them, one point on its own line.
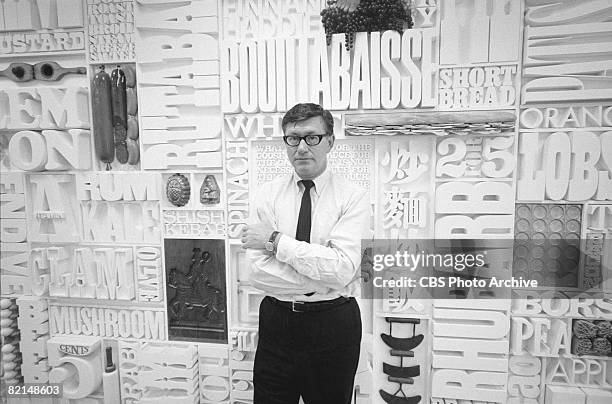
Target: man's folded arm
267 273
270 275
335 264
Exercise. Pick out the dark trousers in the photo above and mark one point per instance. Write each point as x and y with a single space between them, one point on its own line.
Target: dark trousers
312 354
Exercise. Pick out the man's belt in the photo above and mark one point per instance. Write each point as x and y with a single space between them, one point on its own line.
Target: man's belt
298 306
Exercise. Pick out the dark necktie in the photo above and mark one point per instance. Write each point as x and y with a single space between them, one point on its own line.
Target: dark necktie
302 232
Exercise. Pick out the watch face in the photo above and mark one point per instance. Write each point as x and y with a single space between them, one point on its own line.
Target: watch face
269 246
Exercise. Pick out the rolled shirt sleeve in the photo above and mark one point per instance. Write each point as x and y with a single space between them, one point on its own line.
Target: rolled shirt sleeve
335 264
330 263
267 272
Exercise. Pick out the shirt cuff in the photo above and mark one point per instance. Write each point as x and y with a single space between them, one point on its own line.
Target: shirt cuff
285 246
294 253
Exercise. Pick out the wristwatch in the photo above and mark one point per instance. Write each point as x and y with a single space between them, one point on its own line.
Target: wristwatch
270 246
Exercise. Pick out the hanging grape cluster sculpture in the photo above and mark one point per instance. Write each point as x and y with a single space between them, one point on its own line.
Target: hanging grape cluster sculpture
369 16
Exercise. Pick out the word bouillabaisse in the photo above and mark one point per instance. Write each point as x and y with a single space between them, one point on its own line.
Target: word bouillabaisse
385 70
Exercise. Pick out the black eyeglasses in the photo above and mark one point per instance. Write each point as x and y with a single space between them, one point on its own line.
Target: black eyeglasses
311 140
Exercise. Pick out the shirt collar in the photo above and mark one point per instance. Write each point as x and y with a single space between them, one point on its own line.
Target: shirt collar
319 182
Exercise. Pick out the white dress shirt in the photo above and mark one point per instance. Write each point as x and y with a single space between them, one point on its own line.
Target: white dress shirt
329 264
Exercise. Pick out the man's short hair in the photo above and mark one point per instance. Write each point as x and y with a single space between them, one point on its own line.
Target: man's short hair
303 111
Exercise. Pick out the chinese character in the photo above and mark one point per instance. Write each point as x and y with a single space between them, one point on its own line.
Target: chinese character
402 211
404 166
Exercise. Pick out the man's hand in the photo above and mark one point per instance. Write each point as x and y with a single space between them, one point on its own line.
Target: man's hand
256 235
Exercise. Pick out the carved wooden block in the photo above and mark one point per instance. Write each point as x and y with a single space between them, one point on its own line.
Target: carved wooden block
53 212
271 19
489 87
147 324
474 198
149 274
77 364
198 154
114 187
51 150
214 373
57 41
246 306
479 227
45 108
164 129
540 336
547 243
405 301
525 378
426 13
28 151
482 386
200 74
196 17
596 396
195 287
405 162
555 304
47 261
599 218
167 97
237 175
245 298
129 366
566 116
57 27
185 46
194 224
166 100
14 269
469 33
566 70
12 206
470 354
13 228
82 272
169 369
245 67
111 31
479 335
240 271
121 222
475 157
11 183
243 340
33 324
152 371
405 171
564 395
465 323
241 376
572 166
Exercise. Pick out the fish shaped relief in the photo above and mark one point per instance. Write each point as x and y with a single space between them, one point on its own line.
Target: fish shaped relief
178 189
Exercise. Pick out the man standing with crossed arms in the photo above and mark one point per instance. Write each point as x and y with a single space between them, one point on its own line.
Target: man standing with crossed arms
304 247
